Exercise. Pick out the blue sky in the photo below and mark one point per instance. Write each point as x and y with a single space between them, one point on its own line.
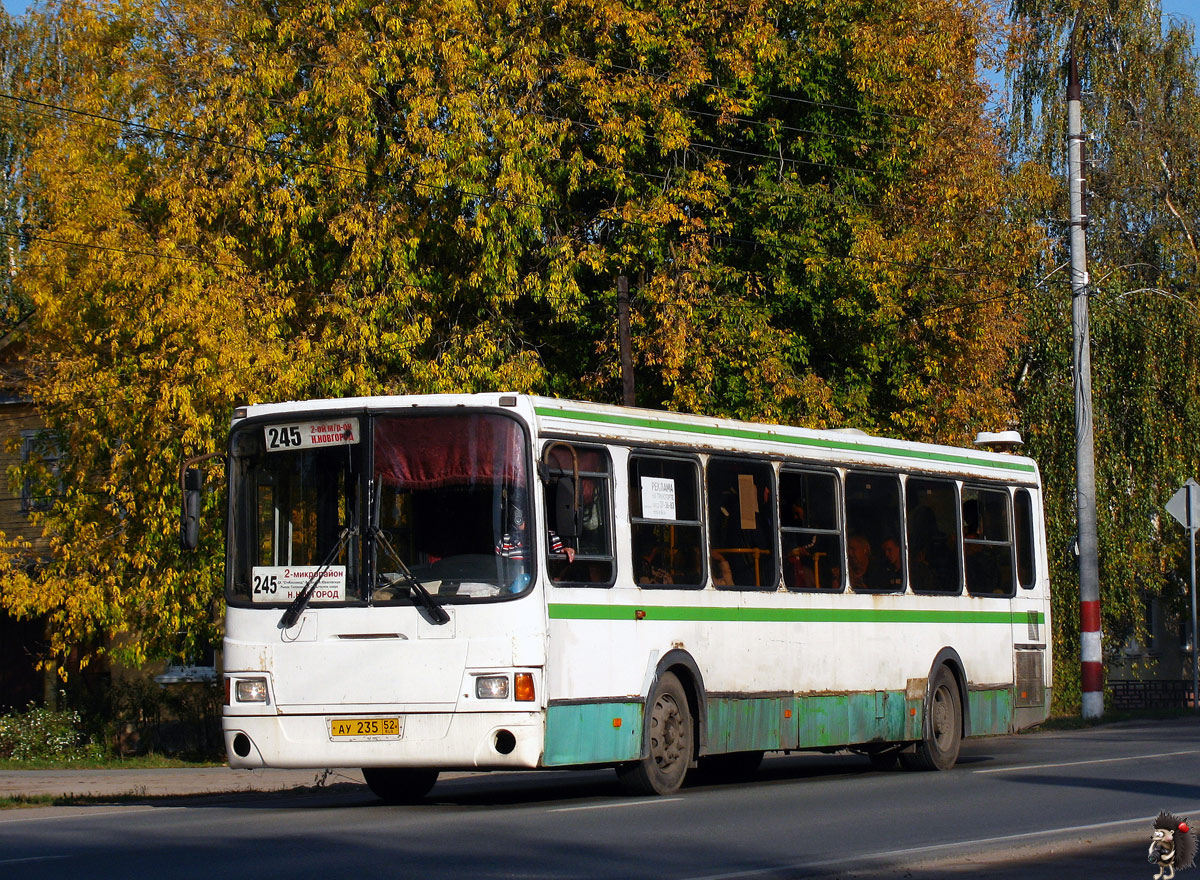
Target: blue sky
1189 8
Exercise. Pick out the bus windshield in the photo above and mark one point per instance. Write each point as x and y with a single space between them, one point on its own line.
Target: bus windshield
446 503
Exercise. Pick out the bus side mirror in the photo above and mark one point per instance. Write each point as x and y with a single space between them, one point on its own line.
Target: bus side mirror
189 527
566 513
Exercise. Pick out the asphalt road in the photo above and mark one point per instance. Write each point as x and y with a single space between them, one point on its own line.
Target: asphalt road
1076 803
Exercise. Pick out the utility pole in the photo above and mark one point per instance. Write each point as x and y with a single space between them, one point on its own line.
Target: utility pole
1091 654
625 341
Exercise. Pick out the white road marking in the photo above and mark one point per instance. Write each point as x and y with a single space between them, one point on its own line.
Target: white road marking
82 813
639 803
1093 761
936 848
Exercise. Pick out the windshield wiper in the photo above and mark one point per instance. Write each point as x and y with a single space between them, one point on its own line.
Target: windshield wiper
301 601
437 614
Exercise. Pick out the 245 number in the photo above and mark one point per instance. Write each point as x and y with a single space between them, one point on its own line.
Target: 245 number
284 437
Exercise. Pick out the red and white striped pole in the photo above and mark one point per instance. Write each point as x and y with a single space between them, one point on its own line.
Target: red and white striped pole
1091 652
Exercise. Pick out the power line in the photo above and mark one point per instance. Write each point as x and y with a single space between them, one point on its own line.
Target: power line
70 245
549 208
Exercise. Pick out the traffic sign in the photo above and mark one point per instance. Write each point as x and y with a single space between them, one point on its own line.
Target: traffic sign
1187 496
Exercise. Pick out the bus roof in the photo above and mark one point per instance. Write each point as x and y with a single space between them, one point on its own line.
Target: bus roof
580 420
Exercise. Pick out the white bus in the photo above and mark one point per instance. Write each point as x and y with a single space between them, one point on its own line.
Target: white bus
500 581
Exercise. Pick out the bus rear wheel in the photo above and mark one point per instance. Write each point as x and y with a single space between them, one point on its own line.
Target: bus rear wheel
399 785
938 747
668 721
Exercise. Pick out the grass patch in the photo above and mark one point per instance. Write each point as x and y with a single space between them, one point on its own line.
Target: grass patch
24 801
17 801
1077 722
108 762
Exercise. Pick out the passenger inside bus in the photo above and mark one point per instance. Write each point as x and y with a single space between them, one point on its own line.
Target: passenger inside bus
514 544
858 553
893 572
653 567
722 575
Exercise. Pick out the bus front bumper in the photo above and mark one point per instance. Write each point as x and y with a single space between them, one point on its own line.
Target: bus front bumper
446 741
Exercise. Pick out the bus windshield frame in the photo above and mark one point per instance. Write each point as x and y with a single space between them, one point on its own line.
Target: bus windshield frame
364 502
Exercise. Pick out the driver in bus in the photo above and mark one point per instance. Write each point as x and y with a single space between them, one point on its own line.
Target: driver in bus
513 544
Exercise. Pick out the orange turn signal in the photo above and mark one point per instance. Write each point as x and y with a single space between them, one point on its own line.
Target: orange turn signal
523 687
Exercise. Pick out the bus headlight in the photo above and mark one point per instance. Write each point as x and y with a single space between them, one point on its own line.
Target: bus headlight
491 687
250 690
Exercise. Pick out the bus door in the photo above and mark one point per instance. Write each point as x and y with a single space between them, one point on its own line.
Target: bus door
1029 621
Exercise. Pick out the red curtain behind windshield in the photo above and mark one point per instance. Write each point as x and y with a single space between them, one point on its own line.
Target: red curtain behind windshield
427 452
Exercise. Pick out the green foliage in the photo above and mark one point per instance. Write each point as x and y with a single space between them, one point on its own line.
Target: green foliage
238 201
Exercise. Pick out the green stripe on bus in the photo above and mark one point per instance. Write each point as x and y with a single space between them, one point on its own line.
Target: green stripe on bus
770 437
573 611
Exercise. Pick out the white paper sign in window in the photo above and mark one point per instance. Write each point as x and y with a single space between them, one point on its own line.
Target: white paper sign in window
658 498
279 583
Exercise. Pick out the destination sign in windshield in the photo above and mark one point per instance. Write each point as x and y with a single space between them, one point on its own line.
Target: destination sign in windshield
310 435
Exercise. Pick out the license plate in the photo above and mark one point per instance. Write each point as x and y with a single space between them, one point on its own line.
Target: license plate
342 729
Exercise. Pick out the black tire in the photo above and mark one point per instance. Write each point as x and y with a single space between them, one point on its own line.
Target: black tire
942 729
670 742
730 767
400 785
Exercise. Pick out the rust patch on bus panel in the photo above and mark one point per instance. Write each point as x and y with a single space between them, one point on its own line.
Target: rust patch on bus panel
990 709
745 725
837 719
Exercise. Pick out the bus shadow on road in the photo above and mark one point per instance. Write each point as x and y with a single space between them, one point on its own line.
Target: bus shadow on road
576 787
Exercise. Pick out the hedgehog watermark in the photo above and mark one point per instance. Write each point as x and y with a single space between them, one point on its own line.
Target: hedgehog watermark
1173 846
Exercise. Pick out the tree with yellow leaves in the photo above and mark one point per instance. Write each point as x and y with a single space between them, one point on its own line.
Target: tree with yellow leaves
243 201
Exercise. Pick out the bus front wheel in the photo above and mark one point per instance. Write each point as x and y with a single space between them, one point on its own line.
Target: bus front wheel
399 785
938 747
668 721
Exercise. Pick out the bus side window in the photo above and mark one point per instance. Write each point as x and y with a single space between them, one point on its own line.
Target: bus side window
586 559
933 558
987 542
665 526
1023 527
741 525
812 535
873 528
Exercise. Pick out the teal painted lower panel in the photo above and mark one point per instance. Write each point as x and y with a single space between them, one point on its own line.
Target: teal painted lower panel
749 725
589 733
991 711
840 719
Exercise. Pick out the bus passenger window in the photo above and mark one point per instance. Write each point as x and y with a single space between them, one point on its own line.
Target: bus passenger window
1023 522
812 538
987 542
741 523
664 513
873 526
585 559
933 560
